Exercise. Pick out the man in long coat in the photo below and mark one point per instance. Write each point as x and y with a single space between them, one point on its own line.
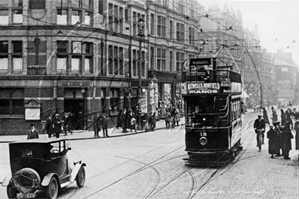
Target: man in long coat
265 116
49 126
278 128
273 141
286 140
96 125
57 125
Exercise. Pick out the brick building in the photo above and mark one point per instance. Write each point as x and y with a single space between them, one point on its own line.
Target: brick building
88 56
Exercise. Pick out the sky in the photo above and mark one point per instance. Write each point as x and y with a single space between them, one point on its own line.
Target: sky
277 20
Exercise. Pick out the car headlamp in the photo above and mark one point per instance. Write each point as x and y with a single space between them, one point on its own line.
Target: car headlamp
203 141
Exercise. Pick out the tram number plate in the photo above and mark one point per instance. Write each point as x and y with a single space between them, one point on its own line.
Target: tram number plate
25 195
203 134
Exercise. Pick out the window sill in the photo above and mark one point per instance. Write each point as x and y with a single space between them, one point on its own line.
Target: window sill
12 116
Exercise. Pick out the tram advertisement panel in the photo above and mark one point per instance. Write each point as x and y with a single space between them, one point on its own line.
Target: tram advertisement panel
204 88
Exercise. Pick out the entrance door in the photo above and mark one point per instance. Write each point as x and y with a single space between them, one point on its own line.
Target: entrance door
76 108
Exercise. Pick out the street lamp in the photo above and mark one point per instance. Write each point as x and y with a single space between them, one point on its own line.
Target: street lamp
139 91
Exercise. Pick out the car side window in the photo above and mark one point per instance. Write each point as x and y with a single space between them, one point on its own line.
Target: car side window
57 147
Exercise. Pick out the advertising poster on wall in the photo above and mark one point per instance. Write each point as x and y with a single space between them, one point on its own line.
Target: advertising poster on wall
153 94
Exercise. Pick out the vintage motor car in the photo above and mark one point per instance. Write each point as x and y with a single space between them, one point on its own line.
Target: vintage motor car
40 168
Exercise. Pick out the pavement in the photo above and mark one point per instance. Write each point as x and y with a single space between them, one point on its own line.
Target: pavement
86 134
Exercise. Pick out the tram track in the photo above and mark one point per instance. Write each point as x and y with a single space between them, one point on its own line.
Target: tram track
154 188
131 173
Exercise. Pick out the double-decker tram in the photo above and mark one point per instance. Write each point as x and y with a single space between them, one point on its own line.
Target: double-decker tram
212 100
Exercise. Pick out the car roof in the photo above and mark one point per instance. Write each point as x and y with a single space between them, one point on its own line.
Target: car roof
38 141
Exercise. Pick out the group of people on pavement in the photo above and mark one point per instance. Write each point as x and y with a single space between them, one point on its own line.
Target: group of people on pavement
100 121
280 132
172 117
127 119
55 125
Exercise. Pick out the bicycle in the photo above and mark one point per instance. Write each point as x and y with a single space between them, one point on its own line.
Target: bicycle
260 140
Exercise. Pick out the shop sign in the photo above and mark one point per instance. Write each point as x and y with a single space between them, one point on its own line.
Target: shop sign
75 84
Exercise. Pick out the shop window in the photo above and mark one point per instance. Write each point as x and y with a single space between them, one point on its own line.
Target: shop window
12 101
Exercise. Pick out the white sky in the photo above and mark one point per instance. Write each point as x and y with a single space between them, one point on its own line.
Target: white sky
276 19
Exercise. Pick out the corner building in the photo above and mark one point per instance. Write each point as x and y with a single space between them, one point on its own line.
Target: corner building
88 56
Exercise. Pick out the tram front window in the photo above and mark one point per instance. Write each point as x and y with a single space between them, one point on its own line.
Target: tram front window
205 110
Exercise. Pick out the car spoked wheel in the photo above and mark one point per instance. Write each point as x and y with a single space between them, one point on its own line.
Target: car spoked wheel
52 189
80 178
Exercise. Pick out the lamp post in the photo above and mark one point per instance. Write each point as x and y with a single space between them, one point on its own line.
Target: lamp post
139 91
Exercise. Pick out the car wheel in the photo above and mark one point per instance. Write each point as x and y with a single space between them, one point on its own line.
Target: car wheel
52 189
80 178
11 192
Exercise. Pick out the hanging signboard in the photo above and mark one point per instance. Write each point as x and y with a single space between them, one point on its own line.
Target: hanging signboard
32 110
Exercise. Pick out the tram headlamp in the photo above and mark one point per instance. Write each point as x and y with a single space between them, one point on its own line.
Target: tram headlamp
203 141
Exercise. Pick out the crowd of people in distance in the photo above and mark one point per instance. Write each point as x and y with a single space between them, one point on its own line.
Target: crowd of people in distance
280 132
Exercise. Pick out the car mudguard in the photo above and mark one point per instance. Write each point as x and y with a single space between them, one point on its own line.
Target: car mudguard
47 179
6 180
75 170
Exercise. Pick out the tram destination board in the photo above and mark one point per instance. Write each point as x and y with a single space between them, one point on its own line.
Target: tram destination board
200 61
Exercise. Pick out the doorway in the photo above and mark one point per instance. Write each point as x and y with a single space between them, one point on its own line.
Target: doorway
77 109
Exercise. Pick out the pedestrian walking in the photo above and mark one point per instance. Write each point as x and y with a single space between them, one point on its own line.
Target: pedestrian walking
49 127
57 125
96 125
177 116
104 123
274 116
273 141
297 134
152 120
132 120
67 124
124 120
283 117
286 140
119 119
265 116
288 115
278 129
32 133
167 119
